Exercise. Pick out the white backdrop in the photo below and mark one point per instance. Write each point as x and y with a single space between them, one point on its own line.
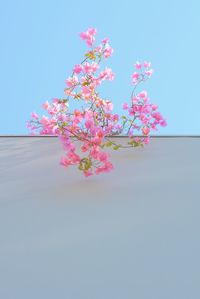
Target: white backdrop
133 233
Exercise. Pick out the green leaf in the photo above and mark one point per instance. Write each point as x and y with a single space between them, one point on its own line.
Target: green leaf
86 83
90 55
132 142
108 143
116 147
80 167
64 124
85 164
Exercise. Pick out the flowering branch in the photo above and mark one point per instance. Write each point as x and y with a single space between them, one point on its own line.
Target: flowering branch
95 122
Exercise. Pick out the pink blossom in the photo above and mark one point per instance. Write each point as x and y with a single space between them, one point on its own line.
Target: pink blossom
135 77
109 74
84 35
64 162
84 147
142 94
77 69
103 156
34 115
44 120
108 166
72 81
107 51
108 105
87 68
92 31
89 124
94 119
157 116
55 101
94 67
115 117
86 92
98 48
138 65
154 107
131 111
105 41
125 106
46 105
147 140
149 72
145 130
88 173
134 99
73 158
89 36
163 123
147 64
28 125
90 68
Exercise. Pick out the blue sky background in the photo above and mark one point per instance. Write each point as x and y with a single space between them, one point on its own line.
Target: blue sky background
40 45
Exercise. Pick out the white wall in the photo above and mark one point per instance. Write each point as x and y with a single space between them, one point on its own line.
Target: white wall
133 233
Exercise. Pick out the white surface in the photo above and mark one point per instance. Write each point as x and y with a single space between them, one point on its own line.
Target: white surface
133 233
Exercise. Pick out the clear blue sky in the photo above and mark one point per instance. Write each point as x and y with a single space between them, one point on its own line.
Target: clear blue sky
40 45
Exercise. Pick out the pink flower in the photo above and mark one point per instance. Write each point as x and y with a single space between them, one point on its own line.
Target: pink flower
44 120
103 157
46 105
134 99
92 31
86 92
147 140
105 41
125 106
64 162
115 117
99 48
88 173
149 73
154 107
94 120
77 69
135 77
84 35
107 51
163 123
72 81
87 68
84 147
94 67
108 167
109 74
89 36
108 105
142 94
34 115
55 101
147 64
89 124
131 111
138 65
145 130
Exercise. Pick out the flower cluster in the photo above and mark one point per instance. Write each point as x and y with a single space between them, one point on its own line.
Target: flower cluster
95 122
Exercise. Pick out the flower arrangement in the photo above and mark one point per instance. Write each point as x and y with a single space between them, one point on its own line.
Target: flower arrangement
93 122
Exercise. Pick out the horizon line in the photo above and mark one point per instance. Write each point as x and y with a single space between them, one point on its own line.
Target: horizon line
112 136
